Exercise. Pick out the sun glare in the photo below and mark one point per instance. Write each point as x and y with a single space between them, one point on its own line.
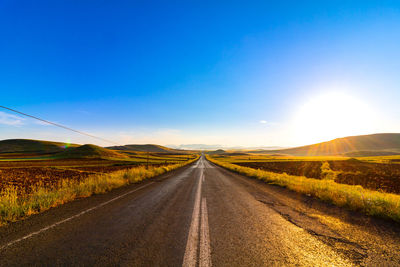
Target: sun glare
332 115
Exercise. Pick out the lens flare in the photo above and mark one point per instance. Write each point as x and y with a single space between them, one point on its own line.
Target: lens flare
332 115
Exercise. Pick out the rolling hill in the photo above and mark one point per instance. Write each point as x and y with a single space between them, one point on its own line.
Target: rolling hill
64 150
218 151
32 146
149 148
368 145
90 151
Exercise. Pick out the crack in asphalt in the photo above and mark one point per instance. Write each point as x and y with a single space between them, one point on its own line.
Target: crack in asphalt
353 251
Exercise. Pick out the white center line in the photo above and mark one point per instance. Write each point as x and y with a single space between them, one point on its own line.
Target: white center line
72 217
205 250
190 257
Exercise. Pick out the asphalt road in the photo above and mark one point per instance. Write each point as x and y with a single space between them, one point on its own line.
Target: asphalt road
200 215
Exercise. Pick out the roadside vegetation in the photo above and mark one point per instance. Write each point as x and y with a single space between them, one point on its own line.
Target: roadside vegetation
379 173
27 174
17 202
354 197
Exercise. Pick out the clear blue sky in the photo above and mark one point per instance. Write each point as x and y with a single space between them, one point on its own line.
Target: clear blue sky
217 72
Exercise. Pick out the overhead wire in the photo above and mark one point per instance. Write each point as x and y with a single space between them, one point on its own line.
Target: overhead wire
59 125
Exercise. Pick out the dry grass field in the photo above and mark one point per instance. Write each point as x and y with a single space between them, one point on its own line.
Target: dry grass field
380 173
369 185
32 182
25 175
375 176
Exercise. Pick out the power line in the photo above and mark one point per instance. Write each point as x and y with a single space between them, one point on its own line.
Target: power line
59 125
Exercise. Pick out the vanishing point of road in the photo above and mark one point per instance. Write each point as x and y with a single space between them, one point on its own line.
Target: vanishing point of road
200 215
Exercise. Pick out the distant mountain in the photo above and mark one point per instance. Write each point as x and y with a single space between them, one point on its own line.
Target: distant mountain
91 151
261 149
32 146
219 151
371 145
148 148
215 147
195 147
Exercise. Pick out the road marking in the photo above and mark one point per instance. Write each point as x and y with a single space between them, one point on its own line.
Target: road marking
190 257
72 217
199 220
197 164
205 250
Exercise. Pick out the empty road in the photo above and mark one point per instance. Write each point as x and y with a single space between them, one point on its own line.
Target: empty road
200 215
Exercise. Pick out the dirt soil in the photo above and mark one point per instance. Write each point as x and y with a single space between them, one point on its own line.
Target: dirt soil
375 176
25 175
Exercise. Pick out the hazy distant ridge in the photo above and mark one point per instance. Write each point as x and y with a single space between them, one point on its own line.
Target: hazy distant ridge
214 147
369 144
147 148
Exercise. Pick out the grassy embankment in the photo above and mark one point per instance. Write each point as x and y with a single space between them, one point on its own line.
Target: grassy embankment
353 197
13 206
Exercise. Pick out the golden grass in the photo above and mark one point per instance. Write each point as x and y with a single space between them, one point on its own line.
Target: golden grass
395 159
370 202
14 206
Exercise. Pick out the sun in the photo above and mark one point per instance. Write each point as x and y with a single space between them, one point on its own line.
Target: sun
330 116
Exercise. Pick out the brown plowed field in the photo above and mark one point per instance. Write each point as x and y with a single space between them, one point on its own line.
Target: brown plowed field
374 176
24 175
